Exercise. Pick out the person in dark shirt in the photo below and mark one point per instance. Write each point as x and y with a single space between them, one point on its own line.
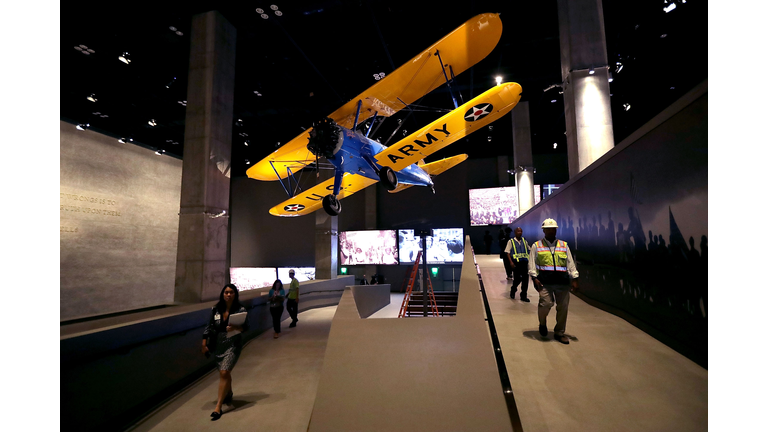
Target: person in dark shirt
225 349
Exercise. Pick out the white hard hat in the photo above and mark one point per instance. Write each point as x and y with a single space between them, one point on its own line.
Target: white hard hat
291 271
549 223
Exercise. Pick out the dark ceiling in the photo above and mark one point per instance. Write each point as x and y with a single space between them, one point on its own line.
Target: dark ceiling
319 54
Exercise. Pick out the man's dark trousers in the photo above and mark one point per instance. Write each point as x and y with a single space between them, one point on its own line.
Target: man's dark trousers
520 273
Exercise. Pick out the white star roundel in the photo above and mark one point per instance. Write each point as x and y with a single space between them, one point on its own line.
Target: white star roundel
478 111
294 207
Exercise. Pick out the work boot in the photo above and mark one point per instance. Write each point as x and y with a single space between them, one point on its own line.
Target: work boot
543 331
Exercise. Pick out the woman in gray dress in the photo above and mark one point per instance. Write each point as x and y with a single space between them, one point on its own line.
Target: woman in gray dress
226 350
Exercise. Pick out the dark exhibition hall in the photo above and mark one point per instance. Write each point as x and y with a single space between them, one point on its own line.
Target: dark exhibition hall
336 215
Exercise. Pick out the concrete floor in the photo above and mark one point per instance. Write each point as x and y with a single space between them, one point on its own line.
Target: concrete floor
611 377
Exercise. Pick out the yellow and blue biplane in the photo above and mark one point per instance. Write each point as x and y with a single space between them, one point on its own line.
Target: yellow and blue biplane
359 161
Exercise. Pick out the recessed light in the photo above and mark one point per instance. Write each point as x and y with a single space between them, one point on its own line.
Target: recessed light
273 7
278 13
83 46
92 97
265 16
180 33
664 35
259 10
152 122
91 51
125 58
553 100
78 48
172 28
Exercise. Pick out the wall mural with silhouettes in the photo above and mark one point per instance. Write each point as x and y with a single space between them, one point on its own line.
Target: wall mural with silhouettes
637 225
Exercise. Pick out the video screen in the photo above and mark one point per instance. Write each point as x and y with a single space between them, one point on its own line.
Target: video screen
496 206
447 246
410 246
368 247
248 278
303 274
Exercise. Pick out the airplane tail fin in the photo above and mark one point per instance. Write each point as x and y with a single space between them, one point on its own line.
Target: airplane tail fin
435 168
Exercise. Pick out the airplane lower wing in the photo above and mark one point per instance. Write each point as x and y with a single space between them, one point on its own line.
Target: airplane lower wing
435 168
310 200
472 116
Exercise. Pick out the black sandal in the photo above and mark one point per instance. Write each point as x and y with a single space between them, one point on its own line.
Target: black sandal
215 415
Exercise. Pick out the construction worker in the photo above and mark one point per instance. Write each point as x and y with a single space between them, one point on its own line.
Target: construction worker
551 266
517 256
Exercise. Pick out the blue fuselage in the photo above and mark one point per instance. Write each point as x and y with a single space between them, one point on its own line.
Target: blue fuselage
356 156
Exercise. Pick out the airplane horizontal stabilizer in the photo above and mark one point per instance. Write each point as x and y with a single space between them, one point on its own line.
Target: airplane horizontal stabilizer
435 168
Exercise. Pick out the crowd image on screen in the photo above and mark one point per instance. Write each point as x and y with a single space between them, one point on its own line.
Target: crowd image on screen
496 206
368 247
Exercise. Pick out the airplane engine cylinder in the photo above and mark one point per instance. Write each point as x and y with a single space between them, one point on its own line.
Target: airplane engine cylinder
326 138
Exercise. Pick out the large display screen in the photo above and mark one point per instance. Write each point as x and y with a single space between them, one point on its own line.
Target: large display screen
496 206
447 246
248 278
368 247
302 274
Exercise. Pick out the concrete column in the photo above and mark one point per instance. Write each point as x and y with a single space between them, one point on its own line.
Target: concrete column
202 267
326 239
371 221
589 124
502 166
521 134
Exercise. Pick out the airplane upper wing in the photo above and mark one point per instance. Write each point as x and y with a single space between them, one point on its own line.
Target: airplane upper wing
451 127
310 200
459 50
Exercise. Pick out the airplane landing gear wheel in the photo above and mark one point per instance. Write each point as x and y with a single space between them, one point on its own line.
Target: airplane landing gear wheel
388 178
331 205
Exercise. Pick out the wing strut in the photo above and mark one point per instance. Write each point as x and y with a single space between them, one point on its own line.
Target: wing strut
357 114
372 122
447 81
288 190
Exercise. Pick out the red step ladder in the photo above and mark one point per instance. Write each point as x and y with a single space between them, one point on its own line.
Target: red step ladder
409 291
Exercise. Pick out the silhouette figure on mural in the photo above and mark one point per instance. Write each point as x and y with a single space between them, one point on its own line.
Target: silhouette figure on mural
635 229
488 240
651 243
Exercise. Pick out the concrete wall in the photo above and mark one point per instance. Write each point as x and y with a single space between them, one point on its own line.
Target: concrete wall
119 210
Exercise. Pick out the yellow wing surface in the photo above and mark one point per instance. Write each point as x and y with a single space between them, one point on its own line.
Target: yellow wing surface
310 200
435 168
451 127
459 50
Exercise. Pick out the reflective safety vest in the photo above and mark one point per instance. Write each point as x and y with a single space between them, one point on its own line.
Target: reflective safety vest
521 254
546 261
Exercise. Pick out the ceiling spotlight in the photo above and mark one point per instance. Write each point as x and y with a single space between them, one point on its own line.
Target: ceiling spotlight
179 33
490 128
90 51
555 145
672 6
671 88
273 7
247 142
121 140
619 67
256 93
239 122
259 10
278 13
405 132
172 28
265 16
553 100
170 83
78 48
490 138
92 97
82 126
125 58
627 107
159 151
247 162
610 77
498 80
152 122
591 71
664 35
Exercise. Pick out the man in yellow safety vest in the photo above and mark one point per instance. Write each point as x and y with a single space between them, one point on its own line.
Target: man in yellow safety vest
554 275
517 256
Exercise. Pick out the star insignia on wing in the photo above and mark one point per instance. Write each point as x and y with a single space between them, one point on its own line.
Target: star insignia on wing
294 207
477 112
